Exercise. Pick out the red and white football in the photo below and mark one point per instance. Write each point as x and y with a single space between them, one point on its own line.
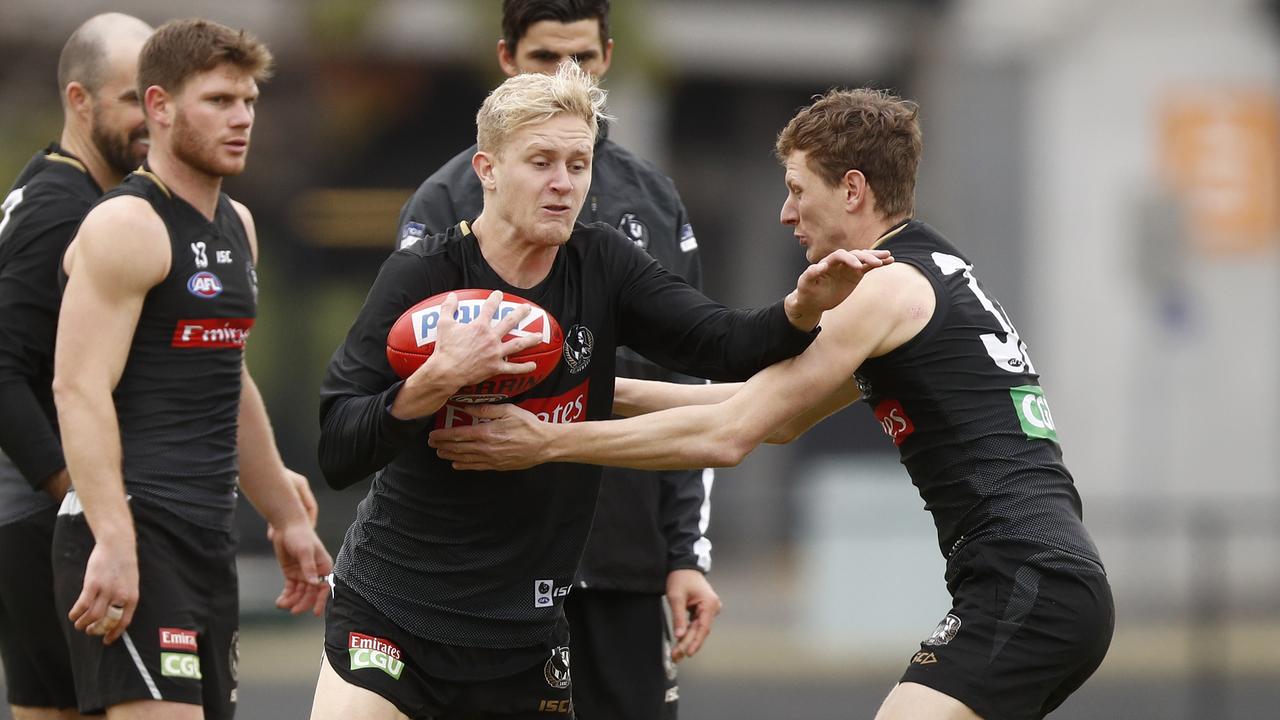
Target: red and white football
413 338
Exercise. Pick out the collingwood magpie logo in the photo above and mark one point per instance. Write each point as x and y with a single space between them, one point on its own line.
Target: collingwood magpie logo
635 230
556 670
945 632
578 344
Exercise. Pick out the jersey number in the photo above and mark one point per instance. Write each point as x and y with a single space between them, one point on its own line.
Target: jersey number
1009 354
8 206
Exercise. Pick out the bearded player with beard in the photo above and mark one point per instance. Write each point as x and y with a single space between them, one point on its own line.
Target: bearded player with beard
102 140
159 415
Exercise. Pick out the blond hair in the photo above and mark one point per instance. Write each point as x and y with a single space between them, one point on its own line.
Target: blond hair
872 131
532 98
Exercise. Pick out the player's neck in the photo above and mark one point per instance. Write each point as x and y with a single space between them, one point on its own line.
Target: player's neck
198 188
78 142
520 264
878 230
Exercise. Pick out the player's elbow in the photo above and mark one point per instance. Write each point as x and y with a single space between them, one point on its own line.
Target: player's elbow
728 450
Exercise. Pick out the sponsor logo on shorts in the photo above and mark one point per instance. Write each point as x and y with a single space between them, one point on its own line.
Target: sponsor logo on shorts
945 632
545 592
924 658
556 671
893 419
181 665
212 333
567 408
223 256
178 639
578 345
367 651
204 284
1033 412
672 694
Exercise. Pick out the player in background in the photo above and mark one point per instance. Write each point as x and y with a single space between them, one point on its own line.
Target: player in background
449 588
649 534
159 415
951 382
103 138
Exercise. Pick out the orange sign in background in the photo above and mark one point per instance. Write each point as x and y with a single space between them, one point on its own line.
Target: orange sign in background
1221 153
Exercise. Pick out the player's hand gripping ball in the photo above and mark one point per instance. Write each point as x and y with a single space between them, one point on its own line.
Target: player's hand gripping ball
413 338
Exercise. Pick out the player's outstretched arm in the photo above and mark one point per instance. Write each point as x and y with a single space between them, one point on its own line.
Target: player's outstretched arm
632 396
888 308
120 252
826 283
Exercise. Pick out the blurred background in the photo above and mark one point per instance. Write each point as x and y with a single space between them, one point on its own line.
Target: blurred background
1112 167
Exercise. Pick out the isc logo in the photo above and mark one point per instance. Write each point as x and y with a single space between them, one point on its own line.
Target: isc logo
204 284
426 320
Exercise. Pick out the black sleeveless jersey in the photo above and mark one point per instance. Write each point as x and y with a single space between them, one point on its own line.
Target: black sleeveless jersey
178 400
963 404
485 559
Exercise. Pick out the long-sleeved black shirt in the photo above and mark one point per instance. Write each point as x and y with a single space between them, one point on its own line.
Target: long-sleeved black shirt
42 211
646 523
484 559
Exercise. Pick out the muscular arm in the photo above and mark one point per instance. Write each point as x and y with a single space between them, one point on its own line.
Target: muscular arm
889 307
119 254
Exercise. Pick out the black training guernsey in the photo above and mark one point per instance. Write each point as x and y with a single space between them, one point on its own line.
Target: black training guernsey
40 215
178 400
484 559
963 403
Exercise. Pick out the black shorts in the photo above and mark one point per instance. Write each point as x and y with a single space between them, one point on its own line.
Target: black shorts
371 652
1028 625
621 646
37 667
183 643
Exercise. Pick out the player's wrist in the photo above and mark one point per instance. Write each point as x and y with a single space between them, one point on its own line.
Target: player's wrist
801 317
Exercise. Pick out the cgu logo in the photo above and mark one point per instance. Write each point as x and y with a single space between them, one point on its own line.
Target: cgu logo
180 665
427 320
362 658
204 284
893 419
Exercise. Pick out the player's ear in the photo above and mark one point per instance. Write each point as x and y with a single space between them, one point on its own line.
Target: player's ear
482 163
507 59
158 106
606 58
78 99
856 190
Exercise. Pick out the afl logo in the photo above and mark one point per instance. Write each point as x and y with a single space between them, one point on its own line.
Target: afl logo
204 284
578 344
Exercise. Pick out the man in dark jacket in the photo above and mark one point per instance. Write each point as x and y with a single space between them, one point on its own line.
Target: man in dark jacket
649 534
103 138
